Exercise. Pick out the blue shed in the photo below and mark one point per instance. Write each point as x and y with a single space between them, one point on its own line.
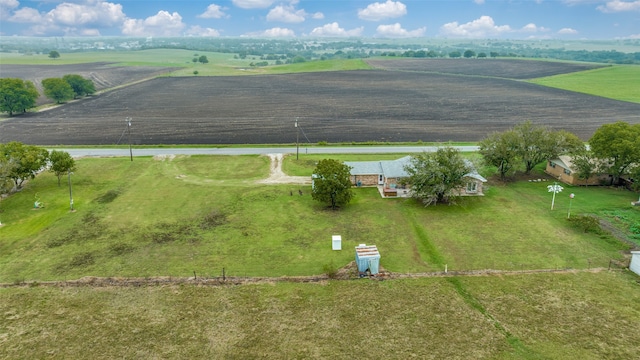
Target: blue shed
368 257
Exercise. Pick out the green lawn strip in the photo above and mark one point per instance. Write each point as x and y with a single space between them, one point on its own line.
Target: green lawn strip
519 348
513 228
615 82
421 318
565 316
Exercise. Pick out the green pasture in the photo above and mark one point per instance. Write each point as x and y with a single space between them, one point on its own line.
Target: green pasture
541 316
227 64
619 82
171 217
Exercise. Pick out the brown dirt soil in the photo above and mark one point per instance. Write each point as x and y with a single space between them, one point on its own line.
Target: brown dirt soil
104 75
502 68
347 106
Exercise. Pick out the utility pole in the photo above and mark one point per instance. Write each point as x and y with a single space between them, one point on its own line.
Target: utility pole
128 120
297 138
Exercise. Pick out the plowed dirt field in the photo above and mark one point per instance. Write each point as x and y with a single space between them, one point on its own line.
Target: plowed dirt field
401 103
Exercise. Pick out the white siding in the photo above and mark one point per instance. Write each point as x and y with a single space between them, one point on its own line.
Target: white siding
635 262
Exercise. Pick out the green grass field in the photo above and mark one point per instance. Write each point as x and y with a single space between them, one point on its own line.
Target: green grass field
169 217
618 82
542 316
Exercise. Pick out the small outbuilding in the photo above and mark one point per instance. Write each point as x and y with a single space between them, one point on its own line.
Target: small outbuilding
367 258
635 262
336 242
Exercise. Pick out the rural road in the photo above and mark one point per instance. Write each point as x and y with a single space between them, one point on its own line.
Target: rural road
106 152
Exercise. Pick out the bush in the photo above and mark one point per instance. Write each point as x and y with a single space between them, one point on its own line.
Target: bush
586 223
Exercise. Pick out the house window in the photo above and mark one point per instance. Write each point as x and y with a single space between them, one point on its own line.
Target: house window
472 187
552 164
567 171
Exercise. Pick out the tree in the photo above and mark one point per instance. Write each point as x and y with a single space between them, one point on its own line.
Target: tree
455 54
61 163
585 164
331 183
469 54
435 177
499 150
538 143
6 168
617 146
57 89
203 59
79 85
25 161
17 95
54 54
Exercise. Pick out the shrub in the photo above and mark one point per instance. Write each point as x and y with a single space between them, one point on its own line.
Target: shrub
586 223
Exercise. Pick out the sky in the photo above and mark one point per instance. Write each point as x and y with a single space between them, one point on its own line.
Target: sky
450 19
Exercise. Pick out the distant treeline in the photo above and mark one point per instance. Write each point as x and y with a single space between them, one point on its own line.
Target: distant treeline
285 50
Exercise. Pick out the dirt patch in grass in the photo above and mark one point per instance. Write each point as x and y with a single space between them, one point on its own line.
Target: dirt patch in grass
349 106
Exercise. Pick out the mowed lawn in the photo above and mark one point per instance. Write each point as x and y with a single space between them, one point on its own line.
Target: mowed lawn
539 316
203 214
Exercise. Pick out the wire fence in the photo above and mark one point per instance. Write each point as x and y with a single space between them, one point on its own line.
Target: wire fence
226 276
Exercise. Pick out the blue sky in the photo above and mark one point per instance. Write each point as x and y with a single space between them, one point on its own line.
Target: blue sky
472 19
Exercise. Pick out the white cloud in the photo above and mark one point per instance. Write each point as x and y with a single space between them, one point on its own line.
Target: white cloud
635 36
253 4
396 31
479 2
286 13
567 31
161 24
6 6
276 32
91 13
620 6
200 31
379 11
26 15
78 19
533 28
479 28
213 12
333 29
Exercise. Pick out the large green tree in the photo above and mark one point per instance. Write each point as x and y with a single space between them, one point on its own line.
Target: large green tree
617 146
61 163
17 95
79 85
500 150
25 161
435 177
538 143
585 165
331 183
57 90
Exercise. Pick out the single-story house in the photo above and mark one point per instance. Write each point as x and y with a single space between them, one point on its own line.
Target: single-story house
391 175
562 169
